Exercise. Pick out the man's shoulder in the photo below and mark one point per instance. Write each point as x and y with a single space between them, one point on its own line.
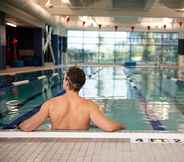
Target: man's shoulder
56 99
89 102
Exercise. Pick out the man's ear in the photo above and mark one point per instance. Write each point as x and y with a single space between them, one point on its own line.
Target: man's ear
67 84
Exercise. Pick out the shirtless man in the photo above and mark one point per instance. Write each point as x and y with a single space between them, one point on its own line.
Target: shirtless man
70 111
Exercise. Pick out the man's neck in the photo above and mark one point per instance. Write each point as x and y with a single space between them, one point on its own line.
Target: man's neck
72 93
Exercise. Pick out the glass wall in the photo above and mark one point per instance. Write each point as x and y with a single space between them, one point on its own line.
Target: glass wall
104 47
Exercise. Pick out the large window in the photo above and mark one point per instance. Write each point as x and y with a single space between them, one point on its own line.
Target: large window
100 47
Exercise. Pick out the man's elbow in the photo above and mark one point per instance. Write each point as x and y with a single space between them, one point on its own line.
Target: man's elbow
114 128
25 128
109 129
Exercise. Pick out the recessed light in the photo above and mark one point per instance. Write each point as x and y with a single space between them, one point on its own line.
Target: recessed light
11 24
180 10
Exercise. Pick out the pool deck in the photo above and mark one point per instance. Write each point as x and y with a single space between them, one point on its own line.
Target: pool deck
49 66
87 150
20 70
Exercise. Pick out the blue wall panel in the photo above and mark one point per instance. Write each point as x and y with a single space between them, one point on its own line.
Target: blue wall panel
181 46
2 41
37 46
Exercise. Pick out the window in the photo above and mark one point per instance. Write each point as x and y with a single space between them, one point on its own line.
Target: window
104 47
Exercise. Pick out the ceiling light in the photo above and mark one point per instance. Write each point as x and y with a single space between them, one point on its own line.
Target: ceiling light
66 1
11 24
180 10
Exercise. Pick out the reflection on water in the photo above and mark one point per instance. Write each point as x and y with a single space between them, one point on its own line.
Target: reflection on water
107 83
126 95
46 89
158 87
159 109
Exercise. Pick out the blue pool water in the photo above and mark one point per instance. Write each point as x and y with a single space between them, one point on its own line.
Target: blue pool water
142 98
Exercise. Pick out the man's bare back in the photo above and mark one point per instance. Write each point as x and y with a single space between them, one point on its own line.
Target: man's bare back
70 111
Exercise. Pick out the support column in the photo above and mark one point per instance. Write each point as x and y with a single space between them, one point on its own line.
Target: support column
181 56
59 44
37 46
181 49
64 43
64 46
55 46
2 41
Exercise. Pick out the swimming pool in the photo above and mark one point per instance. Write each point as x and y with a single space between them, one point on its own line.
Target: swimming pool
144 99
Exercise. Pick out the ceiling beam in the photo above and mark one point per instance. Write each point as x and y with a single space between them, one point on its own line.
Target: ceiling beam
149 4
20 15
154 12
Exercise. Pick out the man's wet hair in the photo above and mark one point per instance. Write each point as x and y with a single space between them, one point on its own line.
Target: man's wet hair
76 78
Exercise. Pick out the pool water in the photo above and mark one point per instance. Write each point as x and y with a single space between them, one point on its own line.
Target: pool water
143 99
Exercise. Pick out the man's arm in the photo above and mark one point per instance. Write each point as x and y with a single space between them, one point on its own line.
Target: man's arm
101 121
37 119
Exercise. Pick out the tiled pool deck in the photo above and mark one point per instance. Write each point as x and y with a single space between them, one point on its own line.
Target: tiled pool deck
87 150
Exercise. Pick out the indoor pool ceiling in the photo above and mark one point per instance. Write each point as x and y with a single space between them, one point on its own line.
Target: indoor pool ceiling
121 13
100 14
175 4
